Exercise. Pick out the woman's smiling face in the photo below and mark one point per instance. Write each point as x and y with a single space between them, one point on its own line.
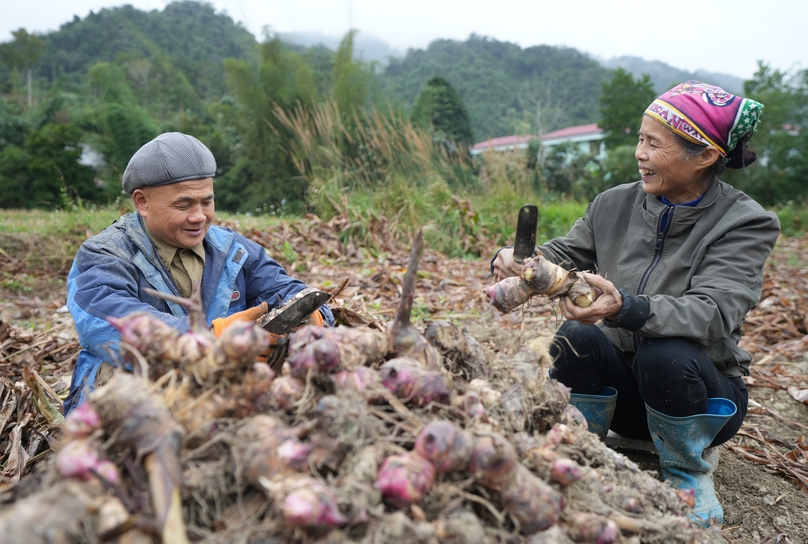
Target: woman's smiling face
665 167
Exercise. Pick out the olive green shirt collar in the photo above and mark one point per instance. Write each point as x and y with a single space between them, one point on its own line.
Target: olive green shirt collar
185 265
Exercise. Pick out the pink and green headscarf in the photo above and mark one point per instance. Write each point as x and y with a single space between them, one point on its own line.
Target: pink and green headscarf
706 114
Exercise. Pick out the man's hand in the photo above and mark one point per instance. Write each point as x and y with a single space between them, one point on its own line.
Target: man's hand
505 266
607 305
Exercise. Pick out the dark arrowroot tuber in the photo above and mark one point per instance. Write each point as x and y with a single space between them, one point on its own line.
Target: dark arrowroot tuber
592 528
540 277
445 445
493 458
409 380
463 353
405 479
81 422
530 501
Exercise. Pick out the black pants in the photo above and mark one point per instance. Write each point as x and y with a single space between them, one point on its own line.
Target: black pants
670 375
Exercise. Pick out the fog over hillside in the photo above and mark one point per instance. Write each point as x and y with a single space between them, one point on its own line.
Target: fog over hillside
368 48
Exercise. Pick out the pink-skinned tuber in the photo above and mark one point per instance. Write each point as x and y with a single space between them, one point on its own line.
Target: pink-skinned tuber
149 335
592 528
270 448
444 444
81 422
361 379
471 405
233 351
405 479
410 381
80 459
342 347
284 392
531 502
565 471
305 501
323 355
493 458
540 277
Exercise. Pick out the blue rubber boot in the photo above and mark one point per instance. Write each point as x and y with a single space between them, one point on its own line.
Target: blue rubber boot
685 458
597 409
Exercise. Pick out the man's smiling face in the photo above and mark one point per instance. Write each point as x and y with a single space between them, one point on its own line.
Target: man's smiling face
179 214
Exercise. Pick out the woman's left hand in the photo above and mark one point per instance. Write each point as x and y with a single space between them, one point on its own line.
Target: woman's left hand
607 305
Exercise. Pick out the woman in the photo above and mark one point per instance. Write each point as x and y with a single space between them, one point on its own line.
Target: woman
680 258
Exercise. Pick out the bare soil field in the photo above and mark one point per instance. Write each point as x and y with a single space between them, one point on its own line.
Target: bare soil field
762 479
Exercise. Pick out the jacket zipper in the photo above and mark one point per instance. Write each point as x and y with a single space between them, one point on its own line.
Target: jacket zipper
659 246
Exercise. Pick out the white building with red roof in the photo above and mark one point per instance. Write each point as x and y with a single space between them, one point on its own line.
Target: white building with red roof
589 139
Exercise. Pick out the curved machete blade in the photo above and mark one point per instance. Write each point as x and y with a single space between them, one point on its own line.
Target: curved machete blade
293 312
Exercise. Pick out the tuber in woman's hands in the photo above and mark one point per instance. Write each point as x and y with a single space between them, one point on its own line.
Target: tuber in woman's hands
606 306
505 266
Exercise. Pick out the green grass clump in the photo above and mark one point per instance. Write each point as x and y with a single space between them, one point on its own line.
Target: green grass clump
793 219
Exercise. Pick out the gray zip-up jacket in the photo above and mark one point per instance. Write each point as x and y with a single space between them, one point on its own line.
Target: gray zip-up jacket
696 279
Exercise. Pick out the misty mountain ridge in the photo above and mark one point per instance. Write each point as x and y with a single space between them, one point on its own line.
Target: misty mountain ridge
372 48
666 76
367 47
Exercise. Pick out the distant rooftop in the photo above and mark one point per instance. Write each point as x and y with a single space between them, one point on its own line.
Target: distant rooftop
520 141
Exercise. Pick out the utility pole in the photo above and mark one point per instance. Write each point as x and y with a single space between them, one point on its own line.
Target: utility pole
30 91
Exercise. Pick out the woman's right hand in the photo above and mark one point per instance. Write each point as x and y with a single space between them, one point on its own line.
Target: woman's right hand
505 265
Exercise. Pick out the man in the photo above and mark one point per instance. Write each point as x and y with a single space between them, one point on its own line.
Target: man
168 245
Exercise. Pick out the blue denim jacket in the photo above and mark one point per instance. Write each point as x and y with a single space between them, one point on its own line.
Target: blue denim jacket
112 269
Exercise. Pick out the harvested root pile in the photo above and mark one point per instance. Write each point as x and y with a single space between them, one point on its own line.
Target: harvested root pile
365 436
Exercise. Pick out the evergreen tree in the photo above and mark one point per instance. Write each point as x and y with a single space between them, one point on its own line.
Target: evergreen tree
121 125
263 177
46 170
780 139
622 104
352 83
439 108
22 52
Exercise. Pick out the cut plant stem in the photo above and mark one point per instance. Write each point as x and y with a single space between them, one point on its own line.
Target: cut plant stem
404 337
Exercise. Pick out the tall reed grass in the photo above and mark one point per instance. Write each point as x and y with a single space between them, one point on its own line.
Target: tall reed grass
373 166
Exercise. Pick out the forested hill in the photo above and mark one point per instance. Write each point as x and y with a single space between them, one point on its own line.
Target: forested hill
666 76
506 89
185 40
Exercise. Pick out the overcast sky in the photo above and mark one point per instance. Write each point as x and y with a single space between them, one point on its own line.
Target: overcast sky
723 36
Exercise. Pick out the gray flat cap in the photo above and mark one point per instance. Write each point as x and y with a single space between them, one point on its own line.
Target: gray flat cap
170 158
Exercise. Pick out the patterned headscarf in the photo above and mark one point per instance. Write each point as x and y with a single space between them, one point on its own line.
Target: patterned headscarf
706 114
